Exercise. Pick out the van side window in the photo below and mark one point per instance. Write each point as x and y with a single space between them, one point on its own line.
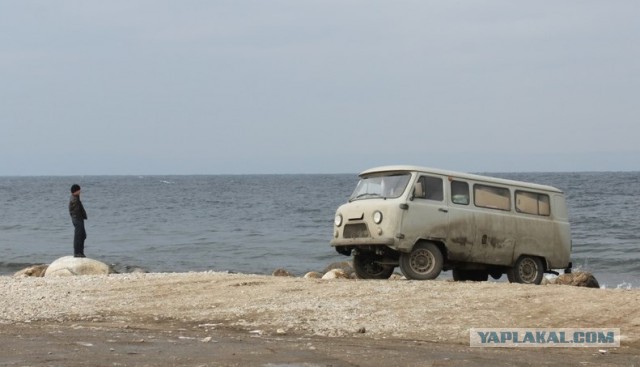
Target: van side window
492 197
460 192
532 203
432 188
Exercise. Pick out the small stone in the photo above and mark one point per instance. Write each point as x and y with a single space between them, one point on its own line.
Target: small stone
32 271
336 274
206 340
362 330
578 279
281 273
281 332
313 275
345 266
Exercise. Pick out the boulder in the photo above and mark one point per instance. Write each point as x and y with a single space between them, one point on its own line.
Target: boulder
578 279
281 273
32 271
69 265
313 275
342 265
336 274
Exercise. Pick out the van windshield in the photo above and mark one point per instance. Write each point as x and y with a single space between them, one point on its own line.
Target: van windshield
390 186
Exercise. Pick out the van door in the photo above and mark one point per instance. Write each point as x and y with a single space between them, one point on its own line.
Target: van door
536 234
462 228
495 225
426 216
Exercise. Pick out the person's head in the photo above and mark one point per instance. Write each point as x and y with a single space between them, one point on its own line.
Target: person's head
75 189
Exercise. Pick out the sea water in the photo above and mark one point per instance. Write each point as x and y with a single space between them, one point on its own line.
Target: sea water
257 223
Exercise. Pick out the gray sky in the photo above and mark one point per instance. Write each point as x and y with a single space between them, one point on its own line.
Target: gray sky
214 87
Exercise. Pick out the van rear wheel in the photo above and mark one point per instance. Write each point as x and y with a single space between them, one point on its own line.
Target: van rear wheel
527 270
422 263
367 266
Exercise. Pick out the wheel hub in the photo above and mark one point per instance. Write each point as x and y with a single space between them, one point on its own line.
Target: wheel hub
422 261
528 271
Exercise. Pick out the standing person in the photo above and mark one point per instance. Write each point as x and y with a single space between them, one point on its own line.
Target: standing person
78 216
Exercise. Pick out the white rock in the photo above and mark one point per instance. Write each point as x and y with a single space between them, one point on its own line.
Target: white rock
69 265
336 274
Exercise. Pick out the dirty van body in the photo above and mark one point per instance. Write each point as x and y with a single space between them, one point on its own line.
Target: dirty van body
426 221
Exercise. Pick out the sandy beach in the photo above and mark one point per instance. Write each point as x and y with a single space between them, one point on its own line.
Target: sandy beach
220 319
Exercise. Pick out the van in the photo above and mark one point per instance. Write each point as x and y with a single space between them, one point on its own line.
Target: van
427 220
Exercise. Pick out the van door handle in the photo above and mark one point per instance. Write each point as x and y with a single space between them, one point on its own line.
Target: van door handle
443 210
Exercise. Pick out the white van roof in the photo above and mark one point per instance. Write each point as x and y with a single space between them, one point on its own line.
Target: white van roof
462 175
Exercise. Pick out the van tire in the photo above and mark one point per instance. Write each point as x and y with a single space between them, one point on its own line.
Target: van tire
527 270
424 262
366 266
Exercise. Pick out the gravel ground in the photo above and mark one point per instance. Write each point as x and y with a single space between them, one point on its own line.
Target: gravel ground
387 314
440 311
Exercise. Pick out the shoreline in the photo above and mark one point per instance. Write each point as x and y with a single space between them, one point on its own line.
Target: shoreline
604 282
263 307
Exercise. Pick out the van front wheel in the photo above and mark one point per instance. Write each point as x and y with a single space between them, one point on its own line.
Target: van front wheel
367 266
527 270
422 263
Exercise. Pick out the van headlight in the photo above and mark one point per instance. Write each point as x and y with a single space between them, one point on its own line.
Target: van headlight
338 220
377 217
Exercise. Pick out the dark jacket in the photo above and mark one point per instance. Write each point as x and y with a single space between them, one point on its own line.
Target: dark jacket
76 210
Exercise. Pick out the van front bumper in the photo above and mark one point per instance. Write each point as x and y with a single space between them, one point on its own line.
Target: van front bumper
355 242
348 246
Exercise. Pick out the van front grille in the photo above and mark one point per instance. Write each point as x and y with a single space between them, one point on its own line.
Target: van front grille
356 231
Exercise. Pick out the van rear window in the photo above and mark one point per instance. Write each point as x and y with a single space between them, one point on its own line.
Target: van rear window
492 197
532 203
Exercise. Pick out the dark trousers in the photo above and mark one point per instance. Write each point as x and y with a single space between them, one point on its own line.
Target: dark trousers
79 235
